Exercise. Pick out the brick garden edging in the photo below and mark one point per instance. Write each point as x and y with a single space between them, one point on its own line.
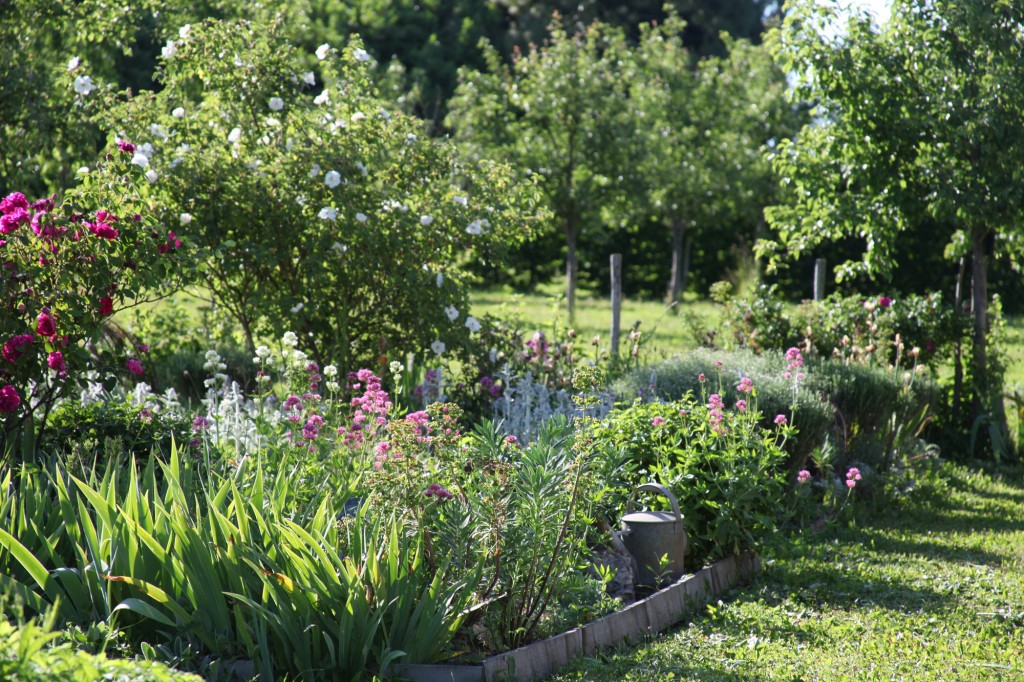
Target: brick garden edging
651 615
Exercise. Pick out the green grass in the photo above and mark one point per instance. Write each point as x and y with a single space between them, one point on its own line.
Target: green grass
666 330
912 591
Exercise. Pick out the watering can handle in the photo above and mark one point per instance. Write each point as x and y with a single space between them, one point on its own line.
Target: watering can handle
655 488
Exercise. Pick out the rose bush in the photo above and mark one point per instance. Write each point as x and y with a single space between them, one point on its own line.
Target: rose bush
68 266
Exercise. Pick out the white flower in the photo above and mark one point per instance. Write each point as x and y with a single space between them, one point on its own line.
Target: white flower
273 122
361 55
309 78
151 175
184 31
185 218
332 179
235 135
473 324
438 347
425 220
179 112
289 339
384 114
276 104
411 137
83 85
83 169
328 213
358 116
323 51
362 168
297 307
361 217
73 63
157 130
140 160
322 98
146 150
333 386
330 371
452 312
339 247
440 280
315 170
478 226
169 50
461 201
262 352
300 199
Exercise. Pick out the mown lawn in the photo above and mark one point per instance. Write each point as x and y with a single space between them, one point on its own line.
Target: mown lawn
926 589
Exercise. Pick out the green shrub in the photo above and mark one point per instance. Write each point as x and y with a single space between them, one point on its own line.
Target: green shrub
725 469
844 402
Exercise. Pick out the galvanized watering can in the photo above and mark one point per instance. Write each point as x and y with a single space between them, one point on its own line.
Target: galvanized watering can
650 535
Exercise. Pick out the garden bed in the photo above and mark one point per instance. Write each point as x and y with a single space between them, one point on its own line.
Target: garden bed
648 616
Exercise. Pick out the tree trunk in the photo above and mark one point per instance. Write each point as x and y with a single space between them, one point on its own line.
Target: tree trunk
571 233
958 357
676 276
987 397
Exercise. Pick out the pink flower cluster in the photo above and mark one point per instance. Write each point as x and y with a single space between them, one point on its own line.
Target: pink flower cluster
716 412
803 476
15 347
746 385
657 421
435 490
488 385
374 404
796 361
852 476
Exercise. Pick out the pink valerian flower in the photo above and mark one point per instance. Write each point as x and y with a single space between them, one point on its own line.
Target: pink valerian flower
884 301
803 476
134 366
14 348
794 358
851 483
715 411
200 424
435 490
741 405
746 385
701 378
45 325
657 421
9 398
311 430
853 475
780 420
146 415
511 440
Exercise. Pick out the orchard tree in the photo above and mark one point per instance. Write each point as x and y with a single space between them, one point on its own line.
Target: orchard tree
700 133
921 119
557 112
315 208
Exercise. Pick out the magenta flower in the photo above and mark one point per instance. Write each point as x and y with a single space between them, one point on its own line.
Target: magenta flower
9 398
884 301
200 423
435 490
106 306
741 405
12 201
14 348
126 146
803 476
45 326
55 361
746 385
780 420
134 366
657 421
